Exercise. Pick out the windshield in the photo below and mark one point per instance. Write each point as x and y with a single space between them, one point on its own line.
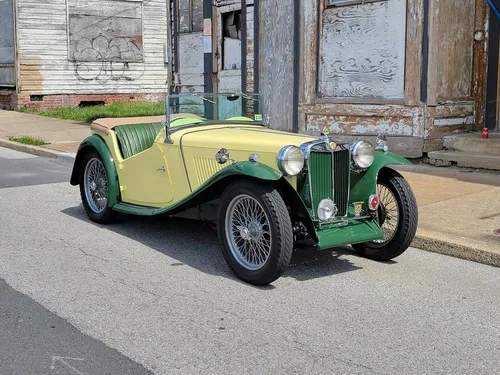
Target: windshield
187 109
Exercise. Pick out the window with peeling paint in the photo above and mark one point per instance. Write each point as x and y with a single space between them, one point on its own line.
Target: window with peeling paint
190 16
362 51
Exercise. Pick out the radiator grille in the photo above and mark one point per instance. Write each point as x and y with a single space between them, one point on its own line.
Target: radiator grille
330 178
341 172
321 169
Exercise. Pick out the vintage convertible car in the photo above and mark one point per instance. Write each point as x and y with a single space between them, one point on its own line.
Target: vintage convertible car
214 158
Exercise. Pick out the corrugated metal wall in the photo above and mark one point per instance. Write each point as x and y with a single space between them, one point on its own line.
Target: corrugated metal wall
92 46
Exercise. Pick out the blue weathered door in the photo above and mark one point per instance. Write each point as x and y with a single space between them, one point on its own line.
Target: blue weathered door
7 76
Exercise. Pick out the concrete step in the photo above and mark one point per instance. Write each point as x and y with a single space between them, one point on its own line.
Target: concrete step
464 159
473 143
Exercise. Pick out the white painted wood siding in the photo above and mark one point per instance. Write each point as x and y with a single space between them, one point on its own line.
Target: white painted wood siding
362 51
45 59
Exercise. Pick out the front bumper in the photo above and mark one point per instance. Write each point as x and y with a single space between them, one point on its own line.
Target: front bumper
356 231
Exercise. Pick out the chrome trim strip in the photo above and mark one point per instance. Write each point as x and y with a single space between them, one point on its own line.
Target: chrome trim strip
345 220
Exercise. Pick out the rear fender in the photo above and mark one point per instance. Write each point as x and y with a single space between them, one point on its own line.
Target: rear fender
95 142
365 185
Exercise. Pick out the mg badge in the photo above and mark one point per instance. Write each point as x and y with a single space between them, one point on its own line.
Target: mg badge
357 208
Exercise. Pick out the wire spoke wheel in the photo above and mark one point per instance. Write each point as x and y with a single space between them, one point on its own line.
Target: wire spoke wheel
96 186
388 214
248 232
397 216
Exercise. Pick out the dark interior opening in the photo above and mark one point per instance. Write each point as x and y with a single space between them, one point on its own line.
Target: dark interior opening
90 103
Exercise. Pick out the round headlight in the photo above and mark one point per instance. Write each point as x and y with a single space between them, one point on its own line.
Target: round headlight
290 160
326 210
362 154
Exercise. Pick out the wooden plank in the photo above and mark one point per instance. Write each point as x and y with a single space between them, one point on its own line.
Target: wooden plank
414 33
362 51
309 51
276 61
361 125
480 65
455 49
385 110
433 51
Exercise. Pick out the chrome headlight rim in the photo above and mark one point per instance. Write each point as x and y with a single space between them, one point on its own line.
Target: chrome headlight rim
357 164
283 158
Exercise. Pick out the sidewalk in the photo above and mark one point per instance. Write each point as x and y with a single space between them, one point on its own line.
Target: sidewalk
459 210
62 136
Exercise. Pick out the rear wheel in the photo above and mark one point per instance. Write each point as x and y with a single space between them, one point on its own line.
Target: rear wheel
255 232
397 215
94 189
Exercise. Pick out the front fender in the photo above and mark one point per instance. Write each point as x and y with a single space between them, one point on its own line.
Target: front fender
365 185
95 142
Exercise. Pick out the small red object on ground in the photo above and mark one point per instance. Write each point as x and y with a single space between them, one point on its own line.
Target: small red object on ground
485 132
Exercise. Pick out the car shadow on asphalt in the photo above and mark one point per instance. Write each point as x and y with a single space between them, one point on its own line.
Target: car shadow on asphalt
196 244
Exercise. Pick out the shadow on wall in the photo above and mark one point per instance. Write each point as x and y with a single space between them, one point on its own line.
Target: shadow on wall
195 244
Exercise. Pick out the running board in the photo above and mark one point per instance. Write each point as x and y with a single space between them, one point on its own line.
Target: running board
133 209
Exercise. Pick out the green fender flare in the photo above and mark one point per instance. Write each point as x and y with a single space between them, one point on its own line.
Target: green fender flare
95 142
367 183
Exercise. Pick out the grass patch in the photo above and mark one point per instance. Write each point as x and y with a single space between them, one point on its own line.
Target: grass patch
28 141
91 113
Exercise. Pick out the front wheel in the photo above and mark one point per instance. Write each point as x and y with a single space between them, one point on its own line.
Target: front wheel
255 232
397 215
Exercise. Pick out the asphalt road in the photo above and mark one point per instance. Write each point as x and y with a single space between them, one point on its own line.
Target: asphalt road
158 291
33 339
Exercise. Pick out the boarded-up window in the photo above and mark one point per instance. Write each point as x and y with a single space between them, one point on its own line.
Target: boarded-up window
362 51
190 16
105 30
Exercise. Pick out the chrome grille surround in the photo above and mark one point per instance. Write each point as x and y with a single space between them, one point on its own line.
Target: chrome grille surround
322 145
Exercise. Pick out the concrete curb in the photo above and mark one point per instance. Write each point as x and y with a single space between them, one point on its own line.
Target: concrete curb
456 250
38 151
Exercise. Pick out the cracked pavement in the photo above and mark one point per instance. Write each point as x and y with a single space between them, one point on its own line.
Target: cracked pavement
159 292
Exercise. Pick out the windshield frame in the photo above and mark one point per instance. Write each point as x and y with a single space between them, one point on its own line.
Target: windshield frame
205 97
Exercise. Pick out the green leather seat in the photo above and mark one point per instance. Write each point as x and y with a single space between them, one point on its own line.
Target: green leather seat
136 138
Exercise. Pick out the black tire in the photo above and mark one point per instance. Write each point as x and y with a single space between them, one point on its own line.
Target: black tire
106 215
280 232
407 219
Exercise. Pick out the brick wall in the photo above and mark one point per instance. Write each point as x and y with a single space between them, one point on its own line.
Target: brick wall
75 100
6 98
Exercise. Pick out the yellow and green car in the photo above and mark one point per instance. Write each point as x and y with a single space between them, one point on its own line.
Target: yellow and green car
213 158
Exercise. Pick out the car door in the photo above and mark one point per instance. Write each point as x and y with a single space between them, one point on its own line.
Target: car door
145 179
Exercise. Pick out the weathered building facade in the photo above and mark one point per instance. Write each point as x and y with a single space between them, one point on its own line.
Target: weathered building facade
411 69
414 70
69 52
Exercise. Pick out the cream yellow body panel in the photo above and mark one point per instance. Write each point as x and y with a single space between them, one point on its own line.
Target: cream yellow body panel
199 146
146 180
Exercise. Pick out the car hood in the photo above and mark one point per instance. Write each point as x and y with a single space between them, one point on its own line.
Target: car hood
246 138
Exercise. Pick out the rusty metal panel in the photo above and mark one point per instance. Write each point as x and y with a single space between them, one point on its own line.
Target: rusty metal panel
7 76
276 61
362 51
